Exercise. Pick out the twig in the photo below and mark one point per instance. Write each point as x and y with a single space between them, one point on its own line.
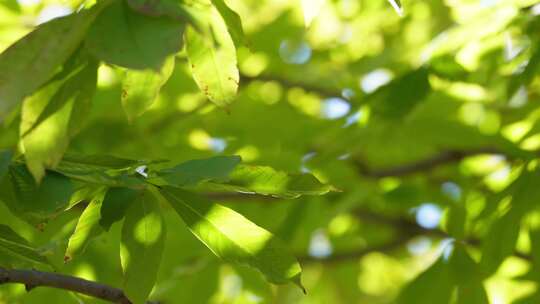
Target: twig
34 278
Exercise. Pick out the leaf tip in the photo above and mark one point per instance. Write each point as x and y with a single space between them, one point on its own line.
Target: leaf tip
298 282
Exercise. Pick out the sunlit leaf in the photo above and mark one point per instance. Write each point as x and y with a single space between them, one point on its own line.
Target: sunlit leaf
87 227
234 238
84 193
525 77
33 60
129 39
143 237
268 181
434 285
233 21
213 62
501 239
54 114
141 88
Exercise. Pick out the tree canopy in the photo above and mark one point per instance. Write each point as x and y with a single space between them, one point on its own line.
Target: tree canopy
269 151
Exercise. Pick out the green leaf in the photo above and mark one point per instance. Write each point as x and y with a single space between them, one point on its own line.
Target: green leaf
87 227
141 88
192 172
398 98
501 239
32 202
233 21
143 237
268 181
33 60
5 160
126 38
527 75
447 67
213 62
455 223
467 276
434 285
102 162
54 114
176 10
84 193
116 203
15 250
101 169
232 237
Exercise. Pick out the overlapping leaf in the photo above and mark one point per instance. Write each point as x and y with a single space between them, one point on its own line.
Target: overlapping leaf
5 159
141 88
30 201
15 250
117 201
53 114
129 39
195 171
233 21
100 169
268 181
143 237
33 60
87 227
454 272
501 239
213 61
234 238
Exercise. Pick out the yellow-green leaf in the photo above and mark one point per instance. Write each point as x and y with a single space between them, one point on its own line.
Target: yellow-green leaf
141 87
87 227
234 238
268 181
52 115
33 60
213 61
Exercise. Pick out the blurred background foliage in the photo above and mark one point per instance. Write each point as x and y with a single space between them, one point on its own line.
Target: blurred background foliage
428 123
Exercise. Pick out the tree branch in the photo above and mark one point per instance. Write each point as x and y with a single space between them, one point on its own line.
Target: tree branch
407 230
347 256
34 278
324 92
443 158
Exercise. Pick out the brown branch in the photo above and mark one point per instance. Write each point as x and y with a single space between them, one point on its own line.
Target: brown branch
443 158
34 278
